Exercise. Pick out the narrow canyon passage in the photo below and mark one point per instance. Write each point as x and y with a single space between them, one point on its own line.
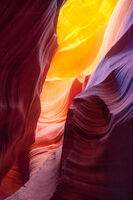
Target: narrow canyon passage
66 107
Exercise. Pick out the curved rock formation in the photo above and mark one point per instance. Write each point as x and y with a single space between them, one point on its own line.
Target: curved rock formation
28 42
44 158
97 150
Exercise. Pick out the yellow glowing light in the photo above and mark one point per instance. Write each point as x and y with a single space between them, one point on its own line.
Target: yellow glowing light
80 30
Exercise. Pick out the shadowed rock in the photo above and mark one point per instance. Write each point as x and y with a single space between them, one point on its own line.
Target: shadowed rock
28 42
97 150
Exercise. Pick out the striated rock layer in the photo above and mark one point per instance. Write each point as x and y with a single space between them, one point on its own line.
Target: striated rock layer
28 42
96 161
98 146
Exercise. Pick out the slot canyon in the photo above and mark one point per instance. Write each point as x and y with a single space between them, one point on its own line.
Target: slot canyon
66 100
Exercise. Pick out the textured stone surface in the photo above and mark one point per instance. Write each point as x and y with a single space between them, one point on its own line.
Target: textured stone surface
97 150
28 42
